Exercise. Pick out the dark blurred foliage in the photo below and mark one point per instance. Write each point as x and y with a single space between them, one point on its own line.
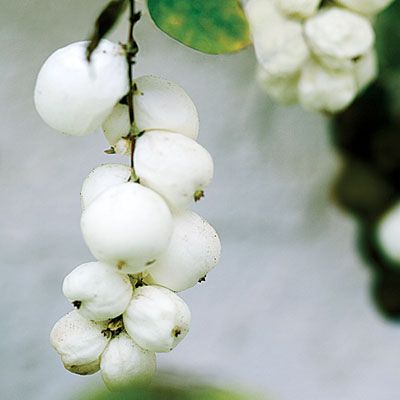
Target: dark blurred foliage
367 135
169 387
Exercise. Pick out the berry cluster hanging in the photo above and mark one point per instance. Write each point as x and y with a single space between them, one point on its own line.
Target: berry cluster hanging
135 219
318 53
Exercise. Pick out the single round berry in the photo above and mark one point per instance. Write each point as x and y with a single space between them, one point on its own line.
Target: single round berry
98 291
159 105
322 89
368 7
74 96
174 166
124 363
388 234
156 318
101 179
338 36
79 342
193 251
127 226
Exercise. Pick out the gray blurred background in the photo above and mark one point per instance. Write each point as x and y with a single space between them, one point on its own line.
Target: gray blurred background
286 312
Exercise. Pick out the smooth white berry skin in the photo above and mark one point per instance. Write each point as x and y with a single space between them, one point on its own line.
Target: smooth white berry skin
321 89
124 363
194 250
281 89
79 342
173 165
156 318
102 292
388 233
278 41
127 226
101 179
337 36
366 69
164 105
368 7
298 8
75 97
159 105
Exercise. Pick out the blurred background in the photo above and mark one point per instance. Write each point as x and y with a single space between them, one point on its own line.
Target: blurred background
287 312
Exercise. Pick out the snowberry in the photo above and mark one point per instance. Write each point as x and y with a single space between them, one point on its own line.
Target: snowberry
75 97
79 342
159 105
98 291
128 226
282 89
388 233
193 251
321 89
124 363
102 178
366 69
278 42
338 36
368 7
298 8
156 318
173 165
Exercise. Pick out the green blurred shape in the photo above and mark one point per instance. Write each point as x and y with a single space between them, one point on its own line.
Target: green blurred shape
210 26
169 387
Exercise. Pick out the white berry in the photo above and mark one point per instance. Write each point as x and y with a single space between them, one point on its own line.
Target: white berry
282 89
367 7
75 97
193 251
156 318
173 165
278 42
102 178
128 226
98 291
159 105
298 8
79 342
124 363
388 233
321 89
337 36
366 69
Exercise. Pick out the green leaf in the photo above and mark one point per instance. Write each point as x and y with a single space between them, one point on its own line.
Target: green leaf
210 26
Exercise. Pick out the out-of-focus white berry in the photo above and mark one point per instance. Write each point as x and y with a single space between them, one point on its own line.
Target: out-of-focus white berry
366 69
278 42
282 89
337 36
173 165
156 318
127 226
102 178
117 124
193 251
159 105
367 7
124 363
75 97
298 8
79 342
98 291
388 233
321 89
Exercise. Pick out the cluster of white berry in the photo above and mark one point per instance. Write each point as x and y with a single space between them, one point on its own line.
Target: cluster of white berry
147 243
320 54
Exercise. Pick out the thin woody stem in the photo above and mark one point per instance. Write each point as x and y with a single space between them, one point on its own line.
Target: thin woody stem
131 51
